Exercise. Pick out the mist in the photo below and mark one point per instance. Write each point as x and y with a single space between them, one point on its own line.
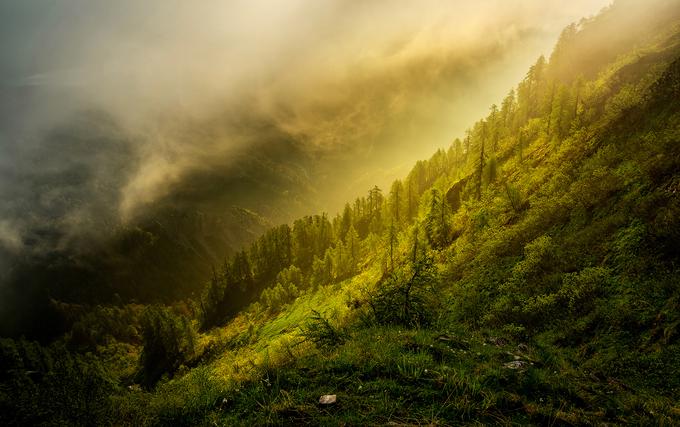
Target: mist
112 110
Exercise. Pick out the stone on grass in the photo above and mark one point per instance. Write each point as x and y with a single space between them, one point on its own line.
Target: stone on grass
497 341
516 364
327 399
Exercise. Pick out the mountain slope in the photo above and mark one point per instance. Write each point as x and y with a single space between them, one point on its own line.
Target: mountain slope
559 285
529 274
559 289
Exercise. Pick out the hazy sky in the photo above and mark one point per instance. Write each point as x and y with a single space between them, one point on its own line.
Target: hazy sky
362 88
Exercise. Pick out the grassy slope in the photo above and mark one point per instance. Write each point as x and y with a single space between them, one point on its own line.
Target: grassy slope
581 288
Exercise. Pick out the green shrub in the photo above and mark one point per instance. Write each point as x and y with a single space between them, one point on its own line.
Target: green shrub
321 332
515 198
407 296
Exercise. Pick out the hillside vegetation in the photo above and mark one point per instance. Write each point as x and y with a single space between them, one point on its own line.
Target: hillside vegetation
527 274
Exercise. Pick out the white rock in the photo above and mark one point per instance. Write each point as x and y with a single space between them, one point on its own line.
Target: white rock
516 364
327 399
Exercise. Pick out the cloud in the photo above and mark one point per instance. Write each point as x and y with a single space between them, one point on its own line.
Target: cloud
109 108
10 238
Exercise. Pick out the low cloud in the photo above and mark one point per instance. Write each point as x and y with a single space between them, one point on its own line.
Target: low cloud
10 237
109 108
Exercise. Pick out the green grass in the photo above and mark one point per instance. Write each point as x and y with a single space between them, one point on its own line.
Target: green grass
389 374
384 375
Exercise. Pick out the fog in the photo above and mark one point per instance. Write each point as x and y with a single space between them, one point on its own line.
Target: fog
109 109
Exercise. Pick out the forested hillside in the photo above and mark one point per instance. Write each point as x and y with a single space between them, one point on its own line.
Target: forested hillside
526 274
134 262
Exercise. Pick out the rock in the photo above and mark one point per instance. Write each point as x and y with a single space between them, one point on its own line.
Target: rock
453 342
498 342
516 364
327 399
523 348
